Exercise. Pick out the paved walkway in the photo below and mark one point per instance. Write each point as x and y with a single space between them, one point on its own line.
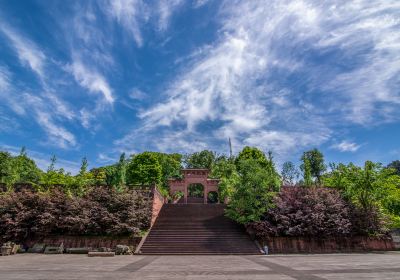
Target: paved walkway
301 267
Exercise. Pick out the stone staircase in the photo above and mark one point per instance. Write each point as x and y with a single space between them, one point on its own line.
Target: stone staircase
196 229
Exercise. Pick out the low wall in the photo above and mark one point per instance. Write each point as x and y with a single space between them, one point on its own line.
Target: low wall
291 245
87 241
158 202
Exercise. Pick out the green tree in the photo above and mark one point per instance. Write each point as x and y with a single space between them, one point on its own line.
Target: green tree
203 159
251 153
170 166
395 165
26 169
225 170
99 176
253 192
6 172
120 173
289 173
369 188
144 169
307 178
82 181
18 169
54 177
316 161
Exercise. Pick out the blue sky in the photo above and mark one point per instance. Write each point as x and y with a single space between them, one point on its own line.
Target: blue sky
97 78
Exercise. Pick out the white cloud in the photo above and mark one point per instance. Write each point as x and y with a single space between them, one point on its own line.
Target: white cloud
45 116
4 79
130 14
346 146
91 80
28 53
165 10
133 15
137 94
240 86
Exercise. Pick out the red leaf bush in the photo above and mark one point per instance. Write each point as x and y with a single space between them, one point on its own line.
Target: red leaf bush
301 211
102 211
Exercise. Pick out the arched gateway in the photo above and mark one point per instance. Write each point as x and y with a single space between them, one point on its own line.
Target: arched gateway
193 176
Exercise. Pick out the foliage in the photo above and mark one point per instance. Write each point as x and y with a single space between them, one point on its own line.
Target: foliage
251 153
395 165
54 177
254 191
371 188
196 190
177 195
315 159
111 175
18 169
203 159
289 173
303 211
99 176
144 169
225 170
212 197
170 166
101 211
307 173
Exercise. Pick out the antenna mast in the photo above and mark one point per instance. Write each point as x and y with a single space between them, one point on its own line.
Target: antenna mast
230 148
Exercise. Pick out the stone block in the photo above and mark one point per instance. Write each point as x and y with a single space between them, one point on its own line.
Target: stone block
37 248
54 249
101 254
77 250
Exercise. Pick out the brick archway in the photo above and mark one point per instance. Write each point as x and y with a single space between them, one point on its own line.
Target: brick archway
193 176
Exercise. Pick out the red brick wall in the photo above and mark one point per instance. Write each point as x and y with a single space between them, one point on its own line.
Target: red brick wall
87 241
288 245
158 202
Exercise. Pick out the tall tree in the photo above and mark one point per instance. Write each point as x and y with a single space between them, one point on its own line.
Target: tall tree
225 170
289 173
254 190
252 153
120 173
144 169
203 159
316 161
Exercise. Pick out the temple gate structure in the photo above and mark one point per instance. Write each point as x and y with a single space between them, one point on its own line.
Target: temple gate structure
193 176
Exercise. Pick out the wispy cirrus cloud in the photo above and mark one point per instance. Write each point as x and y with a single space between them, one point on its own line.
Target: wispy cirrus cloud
133 15
260 84
130 14
346 146
91 80
27 51
42 111
46 109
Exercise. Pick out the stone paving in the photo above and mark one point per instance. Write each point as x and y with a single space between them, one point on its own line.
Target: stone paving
300 267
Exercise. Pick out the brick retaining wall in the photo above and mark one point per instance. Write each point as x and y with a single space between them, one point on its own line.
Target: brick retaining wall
87 241
290 245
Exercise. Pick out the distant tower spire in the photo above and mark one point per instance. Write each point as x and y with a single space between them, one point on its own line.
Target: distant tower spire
230 147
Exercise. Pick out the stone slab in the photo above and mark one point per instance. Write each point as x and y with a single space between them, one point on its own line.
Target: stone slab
273 267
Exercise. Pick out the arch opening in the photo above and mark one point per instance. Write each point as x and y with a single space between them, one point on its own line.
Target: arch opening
212 197
195 193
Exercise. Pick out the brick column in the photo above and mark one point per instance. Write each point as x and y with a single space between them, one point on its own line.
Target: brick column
186 192
205 191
